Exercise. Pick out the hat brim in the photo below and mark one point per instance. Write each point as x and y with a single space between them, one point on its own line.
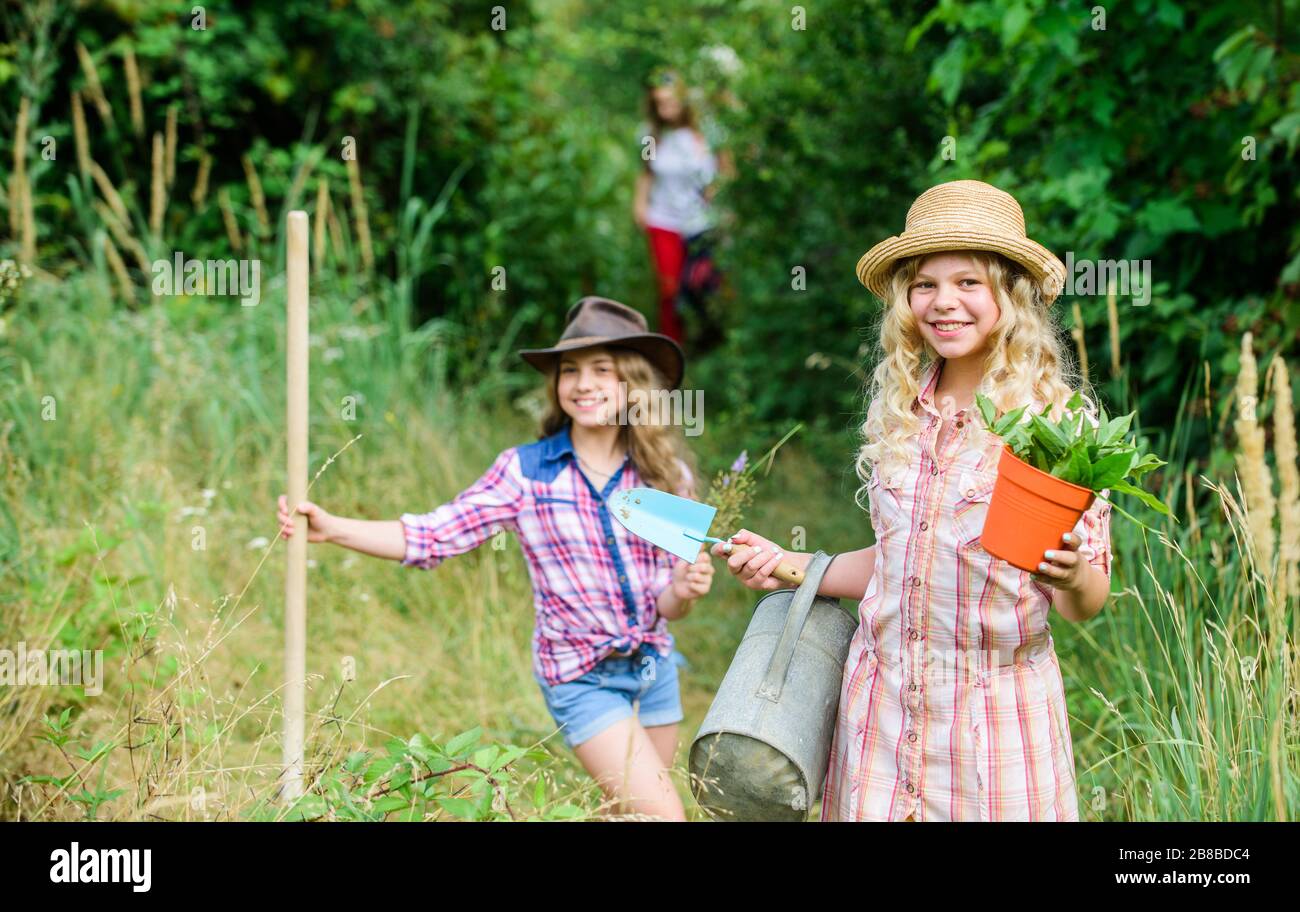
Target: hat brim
875 265
660 350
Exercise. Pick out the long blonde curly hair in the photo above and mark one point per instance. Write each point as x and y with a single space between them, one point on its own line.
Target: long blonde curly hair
1028 362
657 450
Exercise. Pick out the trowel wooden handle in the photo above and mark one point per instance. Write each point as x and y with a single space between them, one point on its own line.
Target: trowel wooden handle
788 572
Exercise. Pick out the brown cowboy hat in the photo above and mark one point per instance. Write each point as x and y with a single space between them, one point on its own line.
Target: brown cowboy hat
600 321
963 215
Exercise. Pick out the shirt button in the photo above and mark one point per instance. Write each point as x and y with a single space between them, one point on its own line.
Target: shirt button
911 736
924 525
916 581
970 492
960 424
911 687
910 787
934 470
610 540
911 634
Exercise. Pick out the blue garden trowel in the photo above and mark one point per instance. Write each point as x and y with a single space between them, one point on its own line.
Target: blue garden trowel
676 524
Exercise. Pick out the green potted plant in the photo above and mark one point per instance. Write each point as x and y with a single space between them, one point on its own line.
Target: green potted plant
1051 472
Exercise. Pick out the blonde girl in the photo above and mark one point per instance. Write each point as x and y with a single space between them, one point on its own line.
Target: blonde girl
952 705
602 654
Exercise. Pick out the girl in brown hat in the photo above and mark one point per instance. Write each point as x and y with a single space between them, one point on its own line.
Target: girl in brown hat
952 705
602 653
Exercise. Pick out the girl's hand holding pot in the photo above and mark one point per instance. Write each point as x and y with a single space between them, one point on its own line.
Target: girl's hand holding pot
751 560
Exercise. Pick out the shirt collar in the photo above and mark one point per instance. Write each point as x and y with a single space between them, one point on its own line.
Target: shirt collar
929 379
557 445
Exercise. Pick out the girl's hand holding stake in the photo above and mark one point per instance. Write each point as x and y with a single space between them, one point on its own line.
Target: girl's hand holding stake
376 537
318 521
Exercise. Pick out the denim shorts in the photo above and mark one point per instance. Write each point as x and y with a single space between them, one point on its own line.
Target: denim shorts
586 706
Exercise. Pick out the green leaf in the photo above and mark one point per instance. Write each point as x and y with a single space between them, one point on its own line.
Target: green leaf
1124 487
390 803
1109 470
459 807
1146 464
460 745
1049 436
422 748
1008 421
1114 431
563 812
987 410
947 70
1081 470
508 756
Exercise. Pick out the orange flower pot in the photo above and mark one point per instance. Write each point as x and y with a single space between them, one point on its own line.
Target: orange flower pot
1029 512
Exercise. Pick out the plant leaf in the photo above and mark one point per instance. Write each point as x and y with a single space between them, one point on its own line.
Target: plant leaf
1049 435
1110 470
1124 487
1008 421
1115 429
987 410
1146 464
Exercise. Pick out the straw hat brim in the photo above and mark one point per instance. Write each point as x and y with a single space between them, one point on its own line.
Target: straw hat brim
659 350
874 266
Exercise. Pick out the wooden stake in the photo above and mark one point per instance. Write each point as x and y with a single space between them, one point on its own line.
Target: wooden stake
295 581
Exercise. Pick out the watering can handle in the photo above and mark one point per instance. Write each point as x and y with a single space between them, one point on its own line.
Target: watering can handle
800 607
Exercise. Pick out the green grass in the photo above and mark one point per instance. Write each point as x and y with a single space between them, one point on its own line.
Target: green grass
152 408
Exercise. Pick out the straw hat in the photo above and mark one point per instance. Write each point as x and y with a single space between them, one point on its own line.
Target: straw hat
963 215
600 321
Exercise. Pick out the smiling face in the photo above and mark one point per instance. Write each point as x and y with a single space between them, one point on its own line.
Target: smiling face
951 289
588 387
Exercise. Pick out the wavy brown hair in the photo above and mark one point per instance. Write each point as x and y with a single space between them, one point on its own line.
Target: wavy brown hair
658 451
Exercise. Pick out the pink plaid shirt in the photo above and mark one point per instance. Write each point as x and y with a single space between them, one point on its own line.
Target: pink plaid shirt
595 585
952 705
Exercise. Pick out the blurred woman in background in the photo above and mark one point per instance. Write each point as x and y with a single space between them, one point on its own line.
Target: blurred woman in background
672 200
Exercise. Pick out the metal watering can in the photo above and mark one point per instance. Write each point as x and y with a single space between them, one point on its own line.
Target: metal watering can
762 751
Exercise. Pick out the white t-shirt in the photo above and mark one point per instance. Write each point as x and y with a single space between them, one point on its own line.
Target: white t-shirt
682 166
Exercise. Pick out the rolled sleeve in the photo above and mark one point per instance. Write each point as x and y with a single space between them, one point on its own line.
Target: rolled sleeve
1093 530
489 505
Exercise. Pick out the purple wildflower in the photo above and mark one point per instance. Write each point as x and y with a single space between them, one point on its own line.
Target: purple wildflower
741 461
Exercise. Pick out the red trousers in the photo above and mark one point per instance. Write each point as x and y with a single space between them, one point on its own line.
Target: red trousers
669 251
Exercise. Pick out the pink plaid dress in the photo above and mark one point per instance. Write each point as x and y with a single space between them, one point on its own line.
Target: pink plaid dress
952 705
595 585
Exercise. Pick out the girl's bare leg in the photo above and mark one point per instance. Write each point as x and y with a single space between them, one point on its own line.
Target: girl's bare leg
664 738
630 770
